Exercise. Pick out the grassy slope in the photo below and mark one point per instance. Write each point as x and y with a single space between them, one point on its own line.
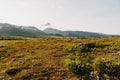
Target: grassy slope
44 58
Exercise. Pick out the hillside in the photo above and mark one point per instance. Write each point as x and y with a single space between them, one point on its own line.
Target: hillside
14 30
52 31
46 58
73 33
31 31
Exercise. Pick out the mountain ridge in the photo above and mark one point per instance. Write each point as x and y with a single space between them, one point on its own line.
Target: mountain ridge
70 33
31 31
14 30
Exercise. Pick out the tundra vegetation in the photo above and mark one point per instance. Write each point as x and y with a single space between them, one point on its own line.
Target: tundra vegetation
59 58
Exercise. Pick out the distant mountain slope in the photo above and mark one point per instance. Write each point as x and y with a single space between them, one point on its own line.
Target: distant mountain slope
52 31
13 30
73 33
31 31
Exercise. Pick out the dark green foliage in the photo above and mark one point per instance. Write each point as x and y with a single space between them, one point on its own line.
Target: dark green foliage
81 63
78 62
116 47
78 66
81 47
109 67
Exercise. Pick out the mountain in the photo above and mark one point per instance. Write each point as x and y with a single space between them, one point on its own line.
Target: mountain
52 31
13 30
73 33
31 31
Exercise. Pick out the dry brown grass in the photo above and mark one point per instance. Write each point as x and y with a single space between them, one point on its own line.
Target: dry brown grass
43 58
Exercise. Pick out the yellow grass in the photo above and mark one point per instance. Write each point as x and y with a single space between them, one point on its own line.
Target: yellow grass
43 58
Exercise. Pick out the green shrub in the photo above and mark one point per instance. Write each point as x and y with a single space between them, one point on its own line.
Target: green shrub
78 61
81 63
110 68
116 47
81 47
78 66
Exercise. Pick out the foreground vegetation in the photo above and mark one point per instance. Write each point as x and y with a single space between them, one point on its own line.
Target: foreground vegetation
60 59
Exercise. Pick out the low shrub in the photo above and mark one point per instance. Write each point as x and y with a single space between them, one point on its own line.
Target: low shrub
81 48
110 68
81 63
78 66
78 61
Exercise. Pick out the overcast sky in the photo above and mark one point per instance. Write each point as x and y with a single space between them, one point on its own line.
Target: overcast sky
85 15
